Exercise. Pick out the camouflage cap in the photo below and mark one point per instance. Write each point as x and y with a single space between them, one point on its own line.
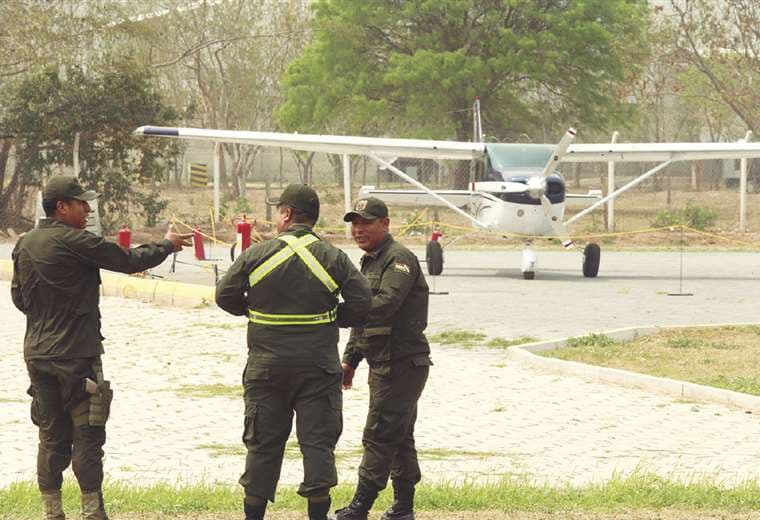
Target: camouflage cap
299 197
61 187
370 208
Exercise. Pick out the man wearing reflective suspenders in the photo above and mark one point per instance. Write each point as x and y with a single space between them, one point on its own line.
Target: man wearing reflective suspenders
288 287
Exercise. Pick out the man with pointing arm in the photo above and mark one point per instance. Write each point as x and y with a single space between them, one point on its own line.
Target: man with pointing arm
56 284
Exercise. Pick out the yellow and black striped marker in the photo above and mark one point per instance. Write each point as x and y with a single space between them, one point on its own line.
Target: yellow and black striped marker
198 175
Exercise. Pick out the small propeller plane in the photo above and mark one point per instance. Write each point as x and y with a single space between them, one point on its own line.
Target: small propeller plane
517 191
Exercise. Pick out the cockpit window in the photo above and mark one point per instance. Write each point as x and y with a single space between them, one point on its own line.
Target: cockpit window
518 156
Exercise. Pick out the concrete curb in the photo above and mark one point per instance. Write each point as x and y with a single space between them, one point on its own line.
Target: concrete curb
525 354
159 292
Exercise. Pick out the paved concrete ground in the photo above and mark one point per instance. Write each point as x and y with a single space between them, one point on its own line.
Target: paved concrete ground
480 417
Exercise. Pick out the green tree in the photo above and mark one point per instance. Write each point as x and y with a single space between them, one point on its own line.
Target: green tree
721 40
413 67
227 58
47 111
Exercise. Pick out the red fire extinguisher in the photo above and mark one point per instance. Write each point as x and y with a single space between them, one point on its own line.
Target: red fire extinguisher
244 234
125 237
200 254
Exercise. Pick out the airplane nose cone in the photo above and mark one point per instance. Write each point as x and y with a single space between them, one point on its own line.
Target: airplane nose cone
536 187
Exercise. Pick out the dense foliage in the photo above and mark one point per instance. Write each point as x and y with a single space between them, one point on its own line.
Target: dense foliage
49 108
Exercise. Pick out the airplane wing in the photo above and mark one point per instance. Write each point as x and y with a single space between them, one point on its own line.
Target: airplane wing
458 150
459 198
338 144
659 152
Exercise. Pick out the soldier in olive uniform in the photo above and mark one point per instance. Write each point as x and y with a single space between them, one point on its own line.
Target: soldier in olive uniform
288 287
393 342
56 283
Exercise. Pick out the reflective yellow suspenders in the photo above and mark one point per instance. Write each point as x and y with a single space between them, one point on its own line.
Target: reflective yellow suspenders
295 246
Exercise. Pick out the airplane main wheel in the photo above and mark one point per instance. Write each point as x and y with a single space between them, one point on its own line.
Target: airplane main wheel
434 256
591 257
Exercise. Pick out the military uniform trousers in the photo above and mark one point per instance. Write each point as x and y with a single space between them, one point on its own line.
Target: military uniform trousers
60 409
272 395
388 438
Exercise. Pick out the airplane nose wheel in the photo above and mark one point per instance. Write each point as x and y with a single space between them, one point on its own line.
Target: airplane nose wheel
434 258
591 256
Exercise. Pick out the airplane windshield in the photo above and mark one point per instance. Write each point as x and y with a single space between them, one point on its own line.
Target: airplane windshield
513 156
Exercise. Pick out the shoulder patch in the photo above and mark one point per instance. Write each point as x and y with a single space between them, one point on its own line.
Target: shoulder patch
402 267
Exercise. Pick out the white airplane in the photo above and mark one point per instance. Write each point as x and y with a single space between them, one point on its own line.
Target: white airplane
519 190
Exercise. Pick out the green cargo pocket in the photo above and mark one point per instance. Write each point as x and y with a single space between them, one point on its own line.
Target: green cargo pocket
254 373
249 424
422 361
336 409
378 342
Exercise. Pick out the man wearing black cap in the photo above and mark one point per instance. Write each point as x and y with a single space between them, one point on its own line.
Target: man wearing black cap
393 342
56 282
288 287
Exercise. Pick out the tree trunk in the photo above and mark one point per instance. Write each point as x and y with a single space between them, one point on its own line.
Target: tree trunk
5 152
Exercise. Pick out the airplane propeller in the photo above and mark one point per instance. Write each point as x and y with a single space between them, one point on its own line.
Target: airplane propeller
559 228
561 149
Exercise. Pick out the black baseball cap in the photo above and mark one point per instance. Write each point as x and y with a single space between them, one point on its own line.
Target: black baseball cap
370 208
299 197
61 187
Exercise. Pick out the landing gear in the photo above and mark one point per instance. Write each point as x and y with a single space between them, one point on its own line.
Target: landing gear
591 255
434 256
529 261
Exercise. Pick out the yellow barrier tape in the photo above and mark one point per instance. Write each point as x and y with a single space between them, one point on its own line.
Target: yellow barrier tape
213 224
413 223
204 235
713 235
402 228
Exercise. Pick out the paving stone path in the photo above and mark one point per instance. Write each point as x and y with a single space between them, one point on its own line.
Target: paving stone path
480 417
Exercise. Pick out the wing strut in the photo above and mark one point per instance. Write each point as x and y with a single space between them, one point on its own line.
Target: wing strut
407 178
635 182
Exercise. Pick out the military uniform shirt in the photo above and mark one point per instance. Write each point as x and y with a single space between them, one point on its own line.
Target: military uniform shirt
56 283
394 329
291 288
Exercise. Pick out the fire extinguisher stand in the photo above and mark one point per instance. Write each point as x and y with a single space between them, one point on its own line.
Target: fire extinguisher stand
125 237
243 229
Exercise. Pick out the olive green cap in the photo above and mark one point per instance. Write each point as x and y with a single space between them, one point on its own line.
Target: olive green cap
60 187
299 197
370 208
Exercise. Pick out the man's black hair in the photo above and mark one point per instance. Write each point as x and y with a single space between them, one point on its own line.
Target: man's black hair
299 217
49 205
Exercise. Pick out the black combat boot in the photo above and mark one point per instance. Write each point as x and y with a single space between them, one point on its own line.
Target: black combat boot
403 501
365 496
93 507
319 510
254 508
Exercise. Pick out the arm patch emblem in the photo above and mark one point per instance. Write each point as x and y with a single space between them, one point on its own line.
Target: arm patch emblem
403 268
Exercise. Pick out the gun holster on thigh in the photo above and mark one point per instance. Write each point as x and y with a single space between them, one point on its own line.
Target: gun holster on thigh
95 410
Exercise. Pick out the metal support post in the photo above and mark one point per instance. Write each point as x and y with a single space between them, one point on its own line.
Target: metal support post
347 190
611 189
217 174
743 189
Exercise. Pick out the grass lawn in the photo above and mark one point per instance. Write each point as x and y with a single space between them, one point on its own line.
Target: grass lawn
666 514
636 497
723 357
